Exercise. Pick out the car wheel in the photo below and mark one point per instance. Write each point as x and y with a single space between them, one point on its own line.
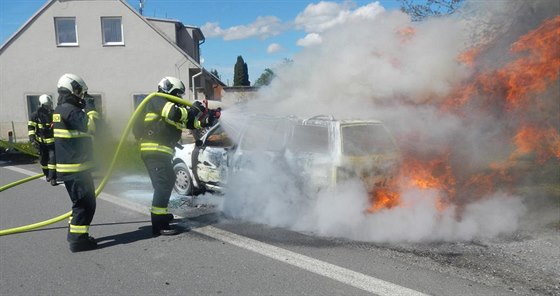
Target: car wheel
183 181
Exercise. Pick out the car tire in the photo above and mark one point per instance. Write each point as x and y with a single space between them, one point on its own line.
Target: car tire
183 181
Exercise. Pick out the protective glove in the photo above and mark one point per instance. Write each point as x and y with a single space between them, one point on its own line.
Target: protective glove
89 102
198 109
35 145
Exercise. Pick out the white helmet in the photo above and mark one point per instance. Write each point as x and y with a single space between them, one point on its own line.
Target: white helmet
72 83
172 86
46 101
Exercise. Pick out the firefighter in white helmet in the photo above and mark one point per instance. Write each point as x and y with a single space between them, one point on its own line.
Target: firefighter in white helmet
40 131
159 130
74 163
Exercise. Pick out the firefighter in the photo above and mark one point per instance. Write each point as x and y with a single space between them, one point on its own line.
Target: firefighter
40 129
159 133
73 149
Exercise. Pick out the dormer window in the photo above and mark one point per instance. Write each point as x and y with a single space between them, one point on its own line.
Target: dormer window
66 32
112 30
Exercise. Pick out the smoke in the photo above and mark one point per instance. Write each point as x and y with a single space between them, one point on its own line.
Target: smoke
402 73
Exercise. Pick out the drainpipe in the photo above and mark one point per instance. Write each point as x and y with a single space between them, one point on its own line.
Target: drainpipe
192 83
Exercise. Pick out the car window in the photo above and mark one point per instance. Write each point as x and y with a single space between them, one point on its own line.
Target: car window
365 139
218 138
309 138
265 135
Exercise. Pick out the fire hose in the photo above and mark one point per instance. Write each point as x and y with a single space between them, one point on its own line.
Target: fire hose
103 182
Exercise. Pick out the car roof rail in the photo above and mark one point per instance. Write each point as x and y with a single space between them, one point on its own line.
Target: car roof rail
319 117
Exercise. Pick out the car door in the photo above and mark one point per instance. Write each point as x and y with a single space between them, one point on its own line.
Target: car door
211 157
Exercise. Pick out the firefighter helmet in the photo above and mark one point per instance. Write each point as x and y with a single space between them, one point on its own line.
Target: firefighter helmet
72 83
172 86
46 101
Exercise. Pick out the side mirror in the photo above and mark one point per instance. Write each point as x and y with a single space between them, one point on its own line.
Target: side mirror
198 143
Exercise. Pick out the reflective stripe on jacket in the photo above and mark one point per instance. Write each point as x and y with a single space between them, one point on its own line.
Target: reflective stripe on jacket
73 142
40 127
163 125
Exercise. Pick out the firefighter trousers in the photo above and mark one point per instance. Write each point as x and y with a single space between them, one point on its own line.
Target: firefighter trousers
160 169
82 194
47 160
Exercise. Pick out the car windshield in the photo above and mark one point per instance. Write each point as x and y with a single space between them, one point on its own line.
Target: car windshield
265 135
218 138
359 140
309 138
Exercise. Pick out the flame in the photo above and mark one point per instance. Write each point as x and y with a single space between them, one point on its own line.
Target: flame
406 34
416 174
469 57
539 68
545 143
515 93
383 198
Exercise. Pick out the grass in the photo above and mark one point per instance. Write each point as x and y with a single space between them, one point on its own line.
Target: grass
24 148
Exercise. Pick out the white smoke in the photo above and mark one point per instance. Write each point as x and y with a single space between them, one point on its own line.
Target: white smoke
360 70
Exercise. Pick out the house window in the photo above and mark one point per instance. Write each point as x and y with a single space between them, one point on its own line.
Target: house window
137 99
32 104
66 32
98 103
112 30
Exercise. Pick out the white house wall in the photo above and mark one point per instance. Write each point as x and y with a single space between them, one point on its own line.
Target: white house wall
32 62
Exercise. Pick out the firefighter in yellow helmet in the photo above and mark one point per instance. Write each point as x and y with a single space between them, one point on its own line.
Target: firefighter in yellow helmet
159 132
40 131
73 149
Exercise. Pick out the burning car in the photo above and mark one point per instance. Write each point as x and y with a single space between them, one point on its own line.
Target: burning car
320 151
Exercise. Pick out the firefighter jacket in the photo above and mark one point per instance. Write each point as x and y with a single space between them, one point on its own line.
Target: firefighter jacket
40 127
73 140
163 124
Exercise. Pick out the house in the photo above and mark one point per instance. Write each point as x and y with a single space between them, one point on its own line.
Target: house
238 94
121 55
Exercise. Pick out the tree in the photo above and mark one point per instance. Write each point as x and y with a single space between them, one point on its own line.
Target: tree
420 9
266 78
215 73
241 73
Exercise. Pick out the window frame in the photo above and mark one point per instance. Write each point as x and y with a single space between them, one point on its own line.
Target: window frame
137 99
32 103
57 35
111 43
98 101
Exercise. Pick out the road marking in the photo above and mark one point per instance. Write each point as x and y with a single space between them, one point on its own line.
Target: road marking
337 273
334 272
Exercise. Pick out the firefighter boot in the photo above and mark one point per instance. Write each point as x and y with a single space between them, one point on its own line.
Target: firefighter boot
160 226
81 243
169 217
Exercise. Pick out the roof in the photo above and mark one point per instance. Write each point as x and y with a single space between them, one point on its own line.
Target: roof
30 21
50 2
25 25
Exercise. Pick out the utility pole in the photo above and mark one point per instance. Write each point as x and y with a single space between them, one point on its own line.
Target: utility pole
141 10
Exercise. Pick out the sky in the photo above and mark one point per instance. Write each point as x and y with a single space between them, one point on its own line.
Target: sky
263 32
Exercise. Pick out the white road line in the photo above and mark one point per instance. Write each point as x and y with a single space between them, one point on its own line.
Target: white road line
334 272
337 273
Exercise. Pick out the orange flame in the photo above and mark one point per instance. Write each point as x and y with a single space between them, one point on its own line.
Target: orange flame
545 143
515 92
434 174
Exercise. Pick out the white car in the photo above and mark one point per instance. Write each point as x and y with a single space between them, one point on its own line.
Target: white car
323 152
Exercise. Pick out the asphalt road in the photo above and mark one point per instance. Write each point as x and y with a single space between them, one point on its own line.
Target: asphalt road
217 257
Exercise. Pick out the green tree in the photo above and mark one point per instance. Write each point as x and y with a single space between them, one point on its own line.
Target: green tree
265 78
241 73
215 73
420 9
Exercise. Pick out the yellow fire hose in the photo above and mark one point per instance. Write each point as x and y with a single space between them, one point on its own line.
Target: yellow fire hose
103 182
